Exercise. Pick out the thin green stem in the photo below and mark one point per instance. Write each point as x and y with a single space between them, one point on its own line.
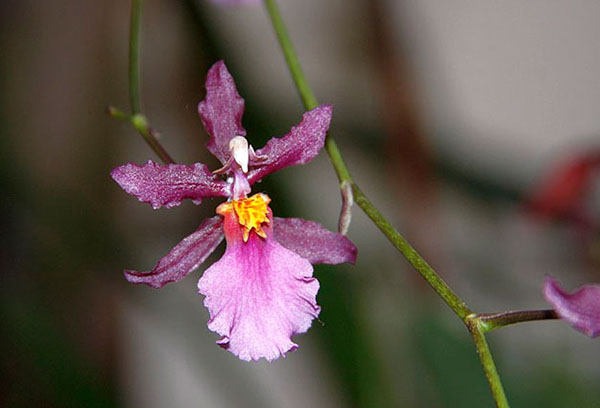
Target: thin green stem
137 119
310 101
135 29
140 123
416 260
491 321
290 55
399 242
487 361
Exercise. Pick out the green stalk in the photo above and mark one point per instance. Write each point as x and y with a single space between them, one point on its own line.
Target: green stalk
416 260
308 98
487 361
337 160
400 243
137 119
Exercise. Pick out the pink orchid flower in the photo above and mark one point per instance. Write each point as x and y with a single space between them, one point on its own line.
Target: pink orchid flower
262 291
580 309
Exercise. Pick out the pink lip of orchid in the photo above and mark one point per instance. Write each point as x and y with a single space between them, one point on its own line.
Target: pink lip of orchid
261 292
580 309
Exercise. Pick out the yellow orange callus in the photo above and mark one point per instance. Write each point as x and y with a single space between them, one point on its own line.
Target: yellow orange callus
251 212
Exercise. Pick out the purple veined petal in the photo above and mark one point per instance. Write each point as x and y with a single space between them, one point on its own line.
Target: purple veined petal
259 294
580 309
184 257
299 146
167 185
314 242
221 111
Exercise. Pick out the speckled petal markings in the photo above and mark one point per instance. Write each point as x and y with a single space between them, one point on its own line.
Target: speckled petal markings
168 185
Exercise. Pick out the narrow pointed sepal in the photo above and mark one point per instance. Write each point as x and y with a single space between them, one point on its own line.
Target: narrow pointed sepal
221 111
184 257
167 185
299 146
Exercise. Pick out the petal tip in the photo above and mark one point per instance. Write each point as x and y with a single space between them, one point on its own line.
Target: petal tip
138 278
217 74
581 309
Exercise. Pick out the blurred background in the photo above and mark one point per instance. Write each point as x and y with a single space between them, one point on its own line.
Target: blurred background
474 126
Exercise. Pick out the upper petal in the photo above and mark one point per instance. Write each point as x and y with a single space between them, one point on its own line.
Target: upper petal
184 257
581 309
259 294
299 146
167 185
221 111
314 242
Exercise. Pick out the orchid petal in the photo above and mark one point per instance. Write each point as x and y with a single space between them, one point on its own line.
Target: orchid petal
184 257
299 146
580 309
221 111
314 242
167 185
259 294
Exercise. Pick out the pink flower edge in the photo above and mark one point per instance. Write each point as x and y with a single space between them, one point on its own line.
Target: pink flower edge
259 295
581 309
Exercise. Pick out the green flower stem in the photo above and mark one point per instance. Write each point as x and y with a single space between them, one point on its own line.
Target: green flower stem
306 93
491 321
137 119
310 102
411 255
485 356
400 243
140 123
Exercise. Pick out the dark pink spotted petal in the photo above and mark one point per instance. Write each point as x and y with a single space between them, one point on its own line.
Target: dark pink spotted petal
184 258
300 146
580 309
167 185
314 242
221 111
